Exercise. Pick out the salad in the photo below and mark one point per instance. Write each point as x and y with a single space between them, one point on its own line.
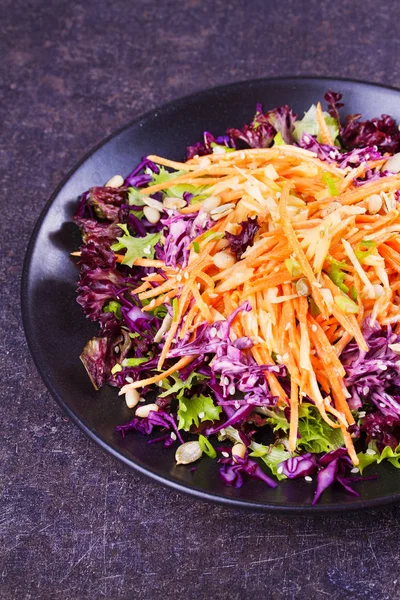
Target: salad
249 297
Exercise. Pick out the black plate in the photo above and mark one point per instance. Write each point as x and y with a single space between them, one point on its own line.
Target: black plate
57 330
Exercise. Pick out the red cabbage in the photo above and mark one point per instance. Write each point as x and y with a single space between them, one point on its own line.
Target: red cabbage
238 243
233 471
374 376
155 419
299 466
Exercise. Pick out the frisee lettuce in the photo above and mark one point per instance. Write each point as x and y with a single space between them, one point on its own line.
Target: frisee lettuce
136 247
177 191
196 409
314 434
272 456
366 459
309 124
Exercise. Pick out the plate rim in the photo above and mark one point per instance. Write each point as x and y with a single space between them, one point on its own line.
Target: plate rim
187 488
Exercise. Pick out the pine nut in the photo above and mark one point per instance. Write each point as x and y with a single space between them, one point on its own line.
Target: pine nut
238 450
131 398
210 203
223 208
224 260
378 290
153 203
374 204
115 182
188 453
393 164
143 411
173 203
151 214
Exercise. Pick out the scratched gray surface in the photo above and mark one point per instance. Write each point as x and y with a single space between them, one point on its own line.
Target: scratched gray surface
75 524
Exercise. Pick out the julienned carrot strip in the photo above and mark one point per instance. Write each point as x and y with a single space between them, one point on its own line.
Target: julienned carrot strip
385 184
333 371
192 208
188 320
147 262
294 415
160 300
184 301
205 311
161 289
348 322
323 128
185 360
349 445
309 347
172 164
298 250
262 357
390 255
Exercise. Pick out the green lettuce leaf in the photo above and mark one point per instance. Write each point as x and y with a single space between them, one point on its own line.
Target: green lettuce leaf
136 247
309 124
315 434
114 307
135 198
177 191
179 386
277 420
196 409
392 456
272 456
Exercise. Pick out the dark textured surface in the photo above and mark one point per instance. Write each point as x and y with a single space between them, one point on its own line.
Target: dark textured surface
74 523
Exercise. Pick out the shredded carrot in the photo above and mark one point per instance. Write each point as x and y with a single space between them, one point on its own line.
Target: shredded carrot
323 127
286 273
294 415
183 362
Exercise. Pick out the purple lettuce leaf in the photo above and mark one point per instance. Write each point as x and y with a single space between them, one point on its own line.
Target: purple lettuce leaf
238 243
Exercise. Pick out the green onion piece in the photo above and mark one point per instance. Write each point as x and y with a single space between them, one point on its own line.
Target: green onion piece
133 362
175 309
314 310
207 446
353 293
337 276
364 248
196 247
212 235
331 183
293 267
346 304
116 369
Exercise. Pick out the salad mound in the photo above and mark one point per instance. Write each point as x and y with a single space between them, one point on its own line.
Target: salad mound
249 297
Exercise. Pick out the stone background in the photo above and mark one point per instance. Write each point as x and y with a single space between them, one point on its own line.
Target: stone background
74 523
